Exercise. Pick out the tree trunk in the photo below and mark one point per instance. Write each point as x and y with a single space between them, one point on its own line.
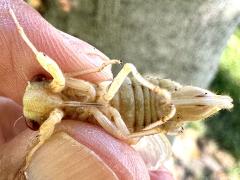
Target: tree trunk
177 39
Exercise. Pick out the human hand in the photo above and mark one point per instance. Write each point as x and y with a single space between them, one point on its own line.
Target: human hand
109 156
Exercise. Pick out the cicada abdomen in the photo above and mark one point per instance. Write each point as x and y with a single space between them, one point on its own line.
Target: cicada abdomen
140 107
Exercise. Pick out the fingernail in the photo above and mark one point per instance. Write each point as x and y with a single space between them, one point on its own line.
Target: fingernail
62 157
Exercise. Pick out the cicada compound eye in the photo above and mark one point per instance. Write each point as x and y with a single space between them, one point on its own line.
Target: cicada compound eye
39 78
33 125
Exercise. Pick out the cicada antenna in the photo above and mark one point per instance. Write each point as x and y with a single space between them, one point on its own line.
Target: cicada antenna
25 76
16 121
22 33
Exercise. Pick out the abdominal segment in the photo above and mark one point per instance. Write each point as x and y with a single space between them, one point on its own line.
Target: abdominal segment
138 105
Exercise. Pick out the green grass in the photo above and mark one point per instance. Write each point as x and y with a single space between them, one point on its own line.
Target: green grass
225 126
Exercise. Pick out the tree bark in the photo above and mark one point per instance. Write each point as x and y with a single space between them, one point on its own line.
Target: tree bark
178 39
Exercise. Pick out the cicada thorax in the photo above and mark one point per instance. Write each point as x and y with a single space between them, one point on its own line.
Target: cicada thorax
73 110
139 106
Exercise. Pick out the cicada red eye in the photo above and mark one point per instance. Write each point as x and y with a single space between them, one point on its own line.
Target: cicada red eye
33 125
39 78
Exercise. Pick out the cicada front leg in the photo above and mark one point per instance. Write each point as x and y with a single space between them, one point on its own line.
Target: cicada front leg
58 82
119 79
45 132
84 87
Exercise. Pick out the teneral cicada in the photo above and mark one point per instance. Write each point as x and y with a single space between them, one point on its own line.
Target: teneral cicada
128 109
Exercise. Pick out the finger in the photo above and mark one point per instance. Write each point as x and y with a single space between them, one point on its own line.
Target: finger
18 63
119 157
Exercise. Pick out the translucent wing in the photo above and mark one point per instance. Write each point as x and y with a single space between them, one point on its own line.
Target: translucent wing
154 149
81 104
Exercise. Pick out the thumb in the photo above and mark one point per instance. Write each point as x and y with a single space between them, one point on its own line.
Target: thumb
76 150
18 63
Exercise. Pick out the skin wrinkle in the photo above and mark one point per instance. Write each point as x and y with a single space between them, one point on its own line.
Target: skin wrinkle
73 55
3 39
2 140
82 50
20 70
60 53
11 67
17 66
7 53
14 62
66 38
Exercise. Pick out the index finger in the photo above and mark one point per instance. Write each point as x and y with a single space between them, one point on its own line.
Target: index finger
18 64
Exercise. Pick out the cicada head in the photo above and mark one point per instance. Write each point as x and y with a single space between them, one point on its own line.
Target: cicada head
39 101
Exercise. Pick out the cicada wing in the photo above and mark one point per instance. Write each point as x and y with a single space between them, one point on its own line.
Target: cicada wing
154 149
81 104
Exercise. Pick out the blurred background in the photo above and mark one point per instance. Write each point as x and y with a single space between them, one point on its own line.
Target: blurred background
192 42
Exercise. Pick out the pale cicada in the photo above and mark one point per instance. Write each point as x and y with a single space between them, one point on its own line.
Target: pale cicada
128 109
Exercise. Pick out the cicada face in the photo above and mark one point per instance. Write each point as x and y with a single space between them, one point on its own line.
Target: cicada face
38 101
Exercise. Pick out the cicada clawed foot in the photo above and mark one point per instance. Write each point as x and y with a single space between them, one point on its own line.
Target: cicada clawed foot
21 175
181 130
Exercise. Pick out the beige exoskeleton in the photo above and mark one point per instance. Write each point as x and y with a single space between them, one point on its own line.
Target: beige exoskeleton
148 106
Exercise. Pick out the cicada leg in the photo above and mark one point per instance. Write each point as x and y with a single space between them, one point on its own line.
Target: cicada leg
118 130
58 82
119 79
120 124
83 87
162 121
147 132
45 132
107 124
